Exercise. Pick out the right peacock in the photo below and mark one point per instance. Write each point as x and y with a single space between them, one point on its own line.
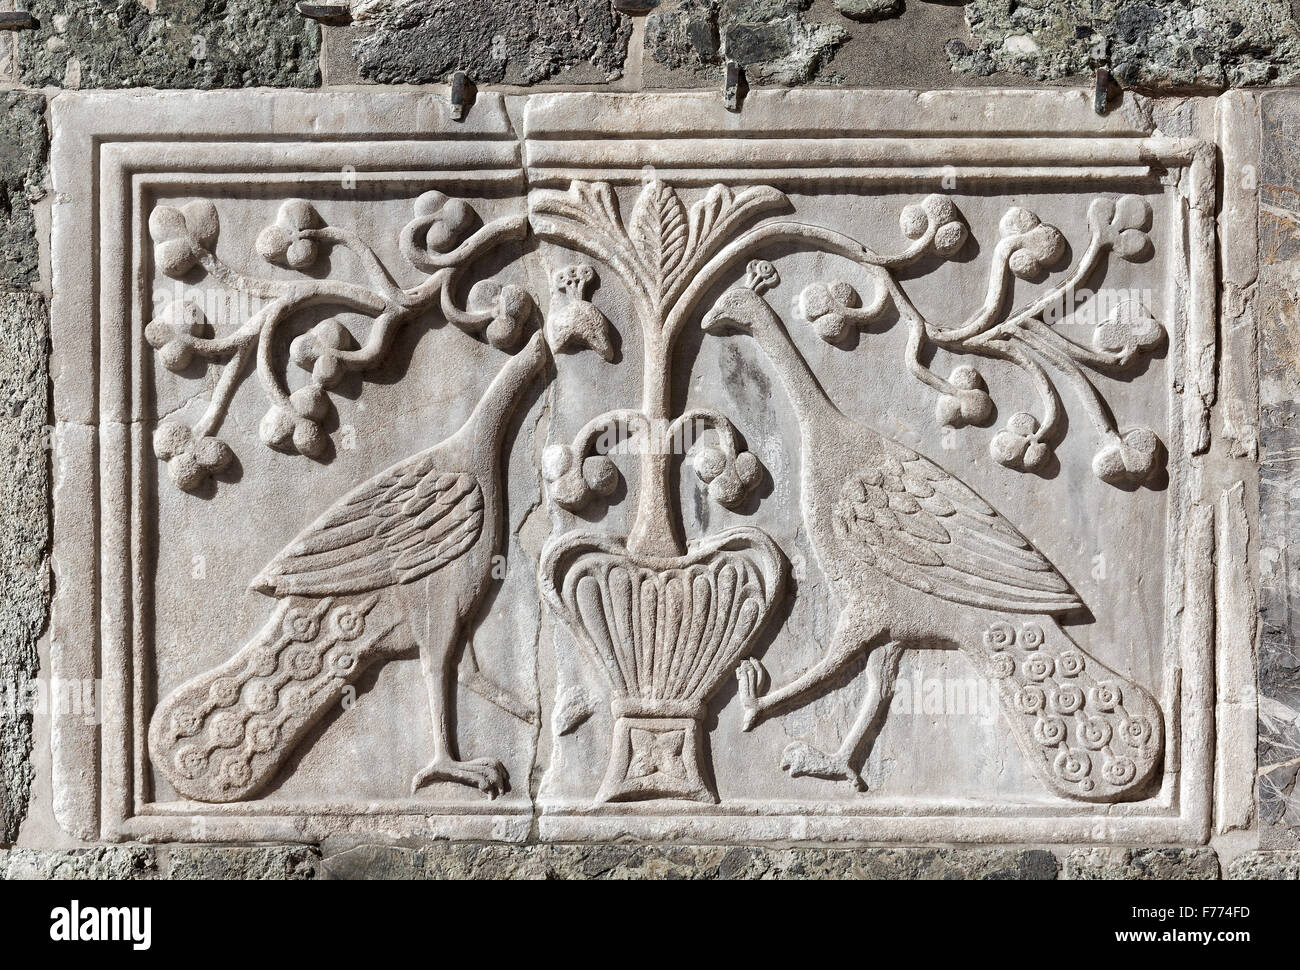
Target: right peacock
916 557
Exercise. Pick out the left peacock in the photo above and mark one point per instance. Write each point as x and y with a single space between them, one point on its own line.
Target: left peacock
399 564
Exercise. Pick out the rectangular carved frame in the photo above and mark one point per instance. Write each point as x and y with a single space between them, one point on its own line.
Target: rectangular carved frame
110 149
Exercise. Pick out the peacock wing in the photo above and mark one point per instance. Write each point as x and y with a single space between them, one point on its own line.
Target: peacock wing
919 525
405 523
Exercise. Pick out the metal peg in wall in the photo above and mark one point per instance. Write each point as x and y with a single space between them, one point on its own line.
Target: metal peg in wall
326 13
732 92
460 95
1099 57
16 20
1101 90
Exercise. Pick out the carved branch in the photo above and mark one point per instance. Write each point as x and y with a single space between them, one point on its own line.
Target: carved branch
438 241
1026 248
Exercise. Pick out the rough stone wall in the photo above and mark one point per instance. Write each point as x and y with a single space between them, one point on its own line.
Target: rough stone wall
1163 47
24 473
1151 44
479 861
1156 43
168 44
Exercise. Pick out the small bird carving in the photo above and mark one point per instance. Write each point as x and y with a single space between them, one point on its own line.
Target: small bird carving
573 321
916 558
400 563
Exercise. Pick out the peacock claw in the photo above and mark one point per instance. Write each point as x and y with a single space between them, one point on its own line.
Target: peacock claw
800 759
485 774
751 680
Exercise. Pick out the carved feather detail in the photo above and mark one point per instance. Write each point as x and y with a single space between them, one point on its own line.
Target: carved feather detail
922 527
400 526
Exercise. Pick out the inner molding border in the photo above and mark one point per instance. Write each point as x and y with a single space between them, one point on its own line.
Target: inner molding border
628 215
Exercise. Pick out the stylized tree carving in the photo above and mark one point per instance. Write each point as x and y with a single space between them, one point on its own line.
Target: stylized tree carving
666 622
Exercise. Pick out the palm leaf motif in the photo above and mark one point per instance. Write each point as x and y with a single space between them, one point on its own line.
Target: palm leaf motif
658 230
663 245
720 209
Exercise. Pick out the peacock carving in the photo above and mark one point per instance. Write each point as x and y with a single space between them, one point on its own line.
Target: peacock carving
402 563
399 564
916 558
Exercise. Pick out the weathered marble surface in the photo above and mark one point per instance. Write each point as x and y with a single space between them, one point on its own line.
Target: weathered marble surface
513 274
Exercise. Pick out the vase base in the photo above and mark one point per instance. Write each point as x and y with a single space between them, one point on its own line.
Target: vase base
655 757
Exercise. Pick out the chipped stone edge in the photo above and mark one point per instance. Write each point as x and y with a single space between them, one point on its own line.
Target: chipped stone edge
1236 700
878 113
1238 132
1197 658
1238 123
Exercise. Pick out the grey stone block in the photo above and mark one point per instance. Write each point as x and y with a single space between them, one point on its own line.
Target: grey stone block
263 862
525 41
1208 43
22 174
1159 864
24 539
777 41
180 44
1264 865
106 862
477 861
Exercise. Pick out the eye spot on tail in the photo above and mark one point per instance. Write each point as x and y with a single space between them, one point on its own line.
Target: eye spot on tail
1119 771
1074 766
999 636
1095 733
1137 731
1030 699
1067 699
1039 667
1032 637
1070 663
1002 666
1049 731
1106 697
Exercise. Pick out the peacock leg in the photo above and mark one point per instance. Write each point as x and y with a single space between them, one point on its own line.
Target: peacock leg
439 637
800 758
857 631
881 678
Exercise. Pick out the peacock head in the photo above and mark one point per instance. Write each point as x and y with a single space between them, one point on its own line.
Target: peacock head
742 308
573 281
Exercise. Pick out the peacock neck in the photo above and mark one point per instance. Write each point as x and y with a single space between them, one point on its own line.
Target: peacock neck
814 408
487 424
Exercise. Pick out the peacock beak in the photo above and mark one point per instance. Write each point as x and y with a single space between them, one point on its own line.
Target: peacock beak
715 321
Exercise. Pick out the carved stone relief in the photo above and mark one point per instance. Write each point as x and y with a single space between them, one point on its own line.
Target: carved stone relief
622 467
